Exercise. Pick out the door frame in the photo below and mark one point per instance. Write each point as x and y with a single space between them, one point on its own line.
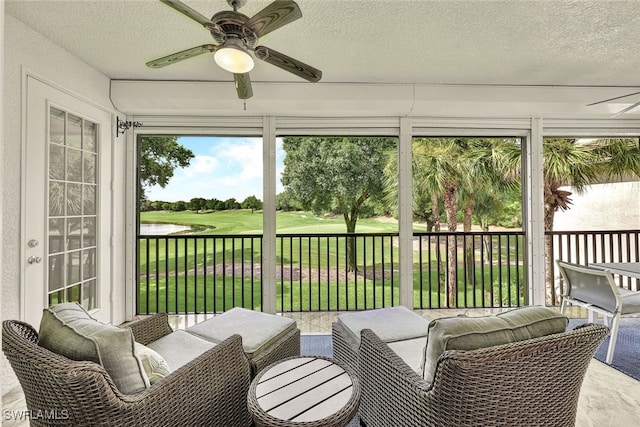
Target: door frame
110 311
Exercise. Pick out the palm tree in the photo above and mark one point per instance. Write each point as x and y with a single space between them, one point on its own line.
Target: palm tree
437 175
492 168
577 164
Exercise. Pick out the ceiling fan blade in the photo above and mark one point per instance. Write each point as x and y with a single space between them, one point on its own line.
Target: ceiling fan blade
243 85
186 10
289 64
629 108
613 99
182 55
276 15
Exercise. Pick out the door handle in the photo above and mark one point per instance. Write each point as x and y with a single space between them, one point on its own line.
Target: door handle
33 259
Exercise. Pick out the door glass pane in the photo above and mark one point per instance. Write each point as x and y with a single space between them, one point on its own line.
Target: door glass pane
74 196
56 162
89 137
56 272
74 131
73 233
74 165
73 267
88 264
89 200
89 167
56 235
72 208
56 199
88 232
56 126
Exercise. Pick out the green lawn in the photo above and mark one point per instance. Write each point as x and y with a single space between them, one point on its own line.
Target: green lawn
311 272
244 221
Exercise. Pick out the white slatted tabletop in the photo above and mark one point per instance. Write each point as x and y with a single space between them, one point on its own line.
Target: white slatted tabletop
304 391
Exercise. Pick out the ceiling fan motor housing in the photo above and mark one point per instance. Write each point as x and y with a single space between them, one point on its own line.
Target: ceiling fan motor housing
229 24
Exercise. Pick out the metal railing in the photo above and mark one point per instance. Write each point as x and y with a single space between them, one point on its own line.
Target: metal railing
586 247
469 270
356 271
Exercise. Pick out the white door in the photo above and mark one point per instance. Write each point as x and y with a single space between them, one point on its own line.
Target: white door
65 217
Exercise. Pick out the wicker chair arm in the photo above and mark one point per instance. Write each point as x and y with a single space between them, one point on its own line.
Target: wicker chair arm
397 367
211 387
391 389
209 390
150 328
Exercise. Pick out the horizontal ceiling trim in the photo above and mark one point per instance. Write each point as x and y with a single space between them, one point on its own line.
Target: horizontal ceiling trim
162 98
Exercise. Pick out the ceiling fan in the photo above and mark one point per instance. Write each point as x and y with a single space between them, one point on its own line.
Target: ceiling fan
621 112
236 35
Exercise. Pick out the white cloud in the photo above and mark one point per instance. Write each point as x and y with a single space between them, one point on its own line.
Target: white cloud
201 165
223 168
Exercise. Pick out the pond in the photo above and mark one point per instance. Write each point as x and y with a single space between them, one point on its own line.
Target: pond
162 229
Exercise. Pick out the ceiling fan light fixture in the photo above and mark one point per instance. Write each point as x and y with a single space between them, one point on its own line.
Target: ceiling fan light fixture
233 57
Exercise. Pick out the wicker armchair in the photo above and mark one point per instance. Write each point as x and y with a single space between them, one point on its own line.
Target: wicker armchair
211 390
534 382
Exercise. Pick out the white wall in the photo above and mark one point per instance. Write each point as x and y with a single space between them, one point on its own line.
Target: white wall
28 51
614 206
3 361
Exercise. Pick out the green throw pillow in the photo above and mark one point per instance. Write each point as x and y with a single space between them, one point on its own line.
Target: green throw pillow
471 333
67 329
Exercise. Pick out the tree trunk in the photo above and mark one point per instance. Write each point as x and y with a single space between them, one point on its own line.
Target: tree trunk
468 244
435 206
352 262
451 205
552 295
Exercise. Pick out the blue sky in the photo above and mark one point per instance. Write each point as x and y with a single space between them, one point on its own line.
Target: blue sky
223 167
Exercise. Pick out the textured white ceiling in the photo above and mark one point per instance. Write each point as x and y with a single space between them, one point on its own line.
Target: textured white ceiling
592 43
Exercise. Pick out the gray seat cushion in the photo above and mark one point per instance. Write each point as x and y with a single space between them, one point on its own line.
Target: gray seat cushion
179 348
471 333
389 324
258 330
410 351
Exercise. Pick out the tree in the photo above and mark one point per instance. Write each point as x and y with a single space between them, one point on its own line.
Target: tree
251 202
335 174
197 203
459 173
158 157
231 204
577 164
285 202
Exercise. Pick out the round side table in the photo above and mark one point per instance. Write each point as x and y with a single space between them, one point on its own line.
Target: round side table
304 391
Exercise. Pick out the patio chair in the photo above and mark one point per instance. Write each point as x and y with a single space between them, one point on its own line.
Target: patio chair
596 290
210 390
534 382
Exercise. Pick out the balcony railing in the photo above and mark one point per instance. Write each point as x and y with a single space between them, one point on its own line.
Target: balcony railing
355 271
586 247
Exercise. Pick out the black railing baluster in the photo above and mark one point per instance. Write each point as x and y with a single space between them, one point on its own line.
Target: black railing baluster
224 274
195 276
215 275
186 277
328 275
147 276
338 274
